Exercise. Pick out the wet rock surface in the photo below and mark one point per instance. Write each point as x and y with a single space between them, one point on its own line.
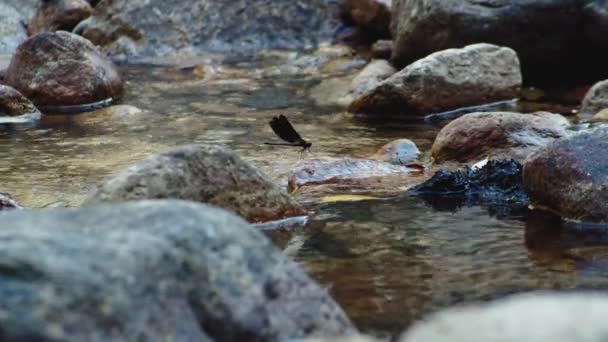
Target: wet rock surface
55 15
557 38
62 69
445 80
498 182
374 15
206 173
596 99
331 170
497 134
168 270
570 176
400 152
140 28
528 317
12 28
13 103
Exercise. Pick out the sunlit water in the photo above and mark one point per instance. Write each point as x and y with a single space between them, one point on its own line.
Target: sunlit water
387 262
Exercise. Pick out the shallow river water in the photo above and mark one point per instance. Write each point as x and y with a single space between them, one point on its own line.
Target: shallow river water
387 261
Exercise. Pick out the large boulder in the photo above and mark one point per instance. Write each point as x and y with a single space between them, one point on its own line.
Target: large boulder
534 317
55 15
62 69
344 171
12 29
596 99
548 35
450 79
499 135
153 271
144 28
208 174
570 176
373 15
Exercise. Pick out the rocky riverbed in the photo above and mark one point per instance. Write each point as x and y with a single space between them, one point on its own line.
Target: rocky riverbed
140 202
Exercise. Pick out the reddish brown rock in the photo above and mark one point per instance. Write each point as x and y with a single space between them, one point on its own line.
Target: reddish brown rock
570 176
62 69
498 135
371 14
55 15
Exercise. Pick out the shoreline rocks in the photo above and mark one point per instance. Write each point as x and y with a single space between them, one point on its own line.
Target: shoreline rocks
62 68
554 38
498 135
208 174
449 79
153 270
136 29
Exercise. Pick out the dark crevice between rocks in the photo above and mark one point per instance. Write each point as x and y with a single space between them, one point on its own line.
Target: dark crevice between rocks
497 186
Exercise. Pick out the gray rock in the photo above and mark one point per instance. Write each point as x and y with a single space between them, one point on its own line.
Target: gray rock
570 176
12 29
375 72
62 68
450 79
501 135
550 36
26 8
208 174
596 98
153 271
400 152
160 28
374 15
534 317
